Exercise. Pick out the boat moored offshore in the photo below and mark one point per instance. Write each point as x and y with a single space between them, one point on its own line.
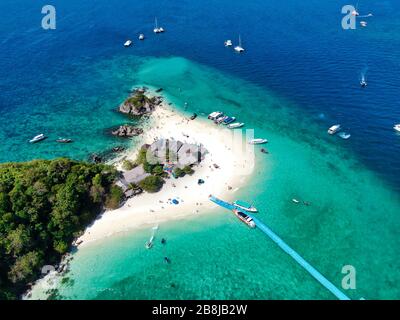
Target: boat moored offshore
141 36
258 141
215 115
397 127
235 125
244 218
245 206
38 138
228 43
128 43
228 120
334 129
239 48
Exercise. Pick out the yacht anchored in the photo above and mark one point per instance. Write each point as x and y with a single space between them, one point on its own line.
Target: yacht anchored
38 138
235 125
228 43
258 141
245 206
157 29
239 48
62 140
397 127
244 217
334 129
141 36
128 43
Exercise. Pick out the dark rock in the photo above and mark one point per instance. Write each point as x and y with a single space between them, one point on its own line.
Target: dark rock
118 149
96 158
127 131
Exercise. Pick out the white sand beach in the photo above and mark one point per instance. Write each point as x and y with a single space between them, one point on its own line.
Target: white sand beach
226 148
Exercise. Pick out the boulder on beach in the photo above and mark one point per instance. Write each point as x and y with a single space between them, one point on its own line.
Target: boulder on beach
139 104
127 131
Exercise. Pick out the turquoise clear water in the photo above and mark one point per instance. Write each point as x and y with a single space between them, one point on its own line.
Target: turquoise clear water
299 76
352 219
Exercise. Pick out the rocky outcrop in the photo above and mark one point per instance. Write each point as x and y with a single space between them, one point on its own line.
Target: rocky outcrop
127 131
139 103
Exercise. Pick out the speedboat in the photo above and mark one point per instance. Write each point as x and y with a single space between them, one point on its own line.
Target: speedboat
334 129
128 43
244 218
344 135
239 48
235 125
228 120
228 43
258 141
38 138
62 140
363 23
220 119
215 115
245 206
141 36
397 127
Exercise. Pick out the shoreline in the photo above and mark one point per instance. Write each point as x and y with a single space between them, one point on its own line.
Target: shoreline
225 148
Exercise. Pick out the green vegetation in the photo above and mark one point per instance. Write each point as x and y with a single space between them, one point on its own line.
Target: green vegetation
139 100
179 173
44 205
128 165
151 184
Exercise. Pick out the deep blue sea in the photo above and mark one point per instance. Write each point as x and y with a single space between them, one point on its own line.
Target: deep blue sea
297 49
299 75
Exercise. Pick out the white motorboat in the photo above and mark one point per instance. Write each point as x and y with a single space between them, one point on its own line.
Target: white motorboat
215 115
245 206
128 43
334 129
397 127
258 141
38 138
344 135
239 48
235 125
363 23
228 43
141 36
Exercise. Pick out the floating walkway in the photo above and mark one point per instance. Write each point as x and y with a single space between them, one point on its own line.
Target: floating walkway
314 272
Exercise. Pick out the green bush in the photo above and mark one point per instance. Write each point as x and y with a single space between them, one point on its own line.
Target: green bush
128 165
114 198
158 170
152 184
188 170
178 173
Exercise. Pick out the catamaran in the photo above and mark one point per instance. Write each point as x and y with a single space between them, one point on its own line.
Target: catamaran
397 127
239 48
128 43
38 138
245 218
258 141
245 206
156 28
334 129
235 125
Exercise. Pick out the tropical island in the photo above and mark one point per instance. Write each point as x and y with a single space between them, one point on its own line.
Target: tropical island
49 206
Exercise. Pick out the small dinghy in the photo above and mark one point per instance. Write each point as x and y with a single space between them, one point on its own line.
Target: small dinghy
62 140
344 135
128 43
295 201
194 116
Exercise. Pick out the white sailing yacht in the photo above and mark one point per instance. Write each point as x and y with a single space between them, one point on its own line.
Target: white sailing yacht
156 28
239 48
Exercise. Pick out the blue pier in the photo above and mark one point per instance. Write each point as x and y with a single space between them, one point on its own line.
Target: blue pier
299 259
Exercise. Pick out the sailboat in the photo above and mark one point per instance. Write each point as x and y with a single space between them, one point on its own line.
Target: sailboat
239 48
156 28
